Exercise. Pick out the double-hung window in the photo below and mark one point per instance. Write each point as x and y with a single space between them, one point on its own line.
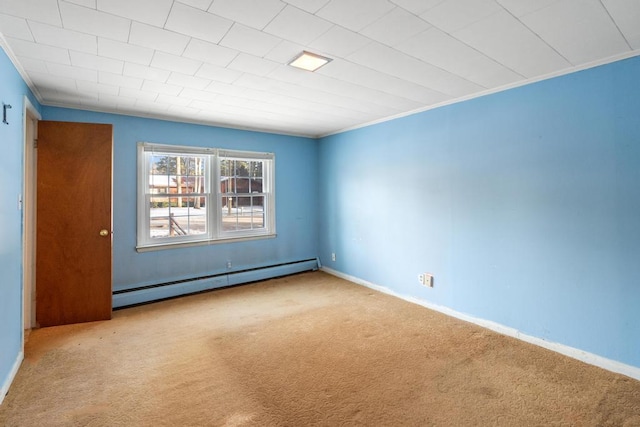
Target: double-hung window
198 195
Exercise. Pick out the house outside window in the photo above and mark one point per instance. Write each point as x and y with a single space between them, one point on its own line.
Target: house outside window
198 195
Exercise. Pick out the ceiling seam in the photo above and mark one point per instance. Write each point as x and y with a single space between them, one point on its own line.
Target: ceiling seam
613 21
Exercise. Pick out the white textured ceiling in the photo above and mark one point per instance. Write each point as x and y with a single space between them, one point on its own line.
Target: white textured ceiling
223 62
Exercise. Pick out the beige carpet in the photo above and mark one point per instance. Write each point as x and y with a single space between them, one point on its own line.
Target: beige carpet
303 350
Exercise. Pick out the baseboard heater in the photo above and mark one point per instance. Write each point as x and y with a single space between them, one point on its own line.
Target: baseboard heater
160 291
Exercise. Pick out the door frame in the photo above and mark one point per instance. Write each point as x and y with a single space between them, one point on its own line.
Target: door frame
31 116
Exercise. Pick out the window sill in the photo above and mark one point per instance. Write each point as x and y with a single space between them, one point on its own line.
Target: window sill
163 246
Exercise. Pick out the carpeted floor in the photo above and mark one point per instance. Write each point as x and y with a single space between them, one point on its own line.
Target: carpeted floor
304 350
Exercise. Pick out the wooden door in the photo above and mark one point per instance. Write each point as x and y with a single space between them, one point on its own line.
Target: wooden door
73 232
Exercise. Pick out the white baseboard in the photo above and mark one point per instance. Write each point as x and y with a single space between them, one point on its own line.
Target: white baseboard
583 356
14 371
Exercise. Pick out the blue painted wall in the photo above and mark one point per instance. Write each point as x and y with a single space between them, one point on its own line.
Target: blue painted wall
296 200
525 204
12 91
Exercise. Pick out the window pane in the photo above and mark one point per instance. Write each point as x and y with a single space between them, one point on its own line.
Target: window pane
255 169
229 213
256 185
225 185
226 168
242 186
242 213
241 168
158 180
257 212
187 220
159 217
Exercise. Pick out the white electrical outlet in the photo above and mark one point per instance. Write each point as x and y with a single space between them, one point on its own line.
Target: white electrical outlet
333 256
426 279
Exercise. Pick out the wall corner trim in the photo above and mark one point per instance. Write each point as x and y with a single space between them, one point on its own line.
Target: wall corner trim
12 375
581 355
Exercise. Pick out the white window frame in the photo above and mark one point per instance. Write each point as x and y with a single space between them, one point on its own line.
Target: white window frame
215 233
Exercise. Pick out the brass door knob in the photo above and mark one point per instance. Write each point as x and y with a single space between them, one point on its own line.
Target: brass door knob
104 232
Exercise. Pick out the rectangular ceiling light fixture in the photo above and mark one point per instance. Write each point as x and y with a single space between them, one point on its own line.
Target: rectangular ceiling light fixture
309 61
